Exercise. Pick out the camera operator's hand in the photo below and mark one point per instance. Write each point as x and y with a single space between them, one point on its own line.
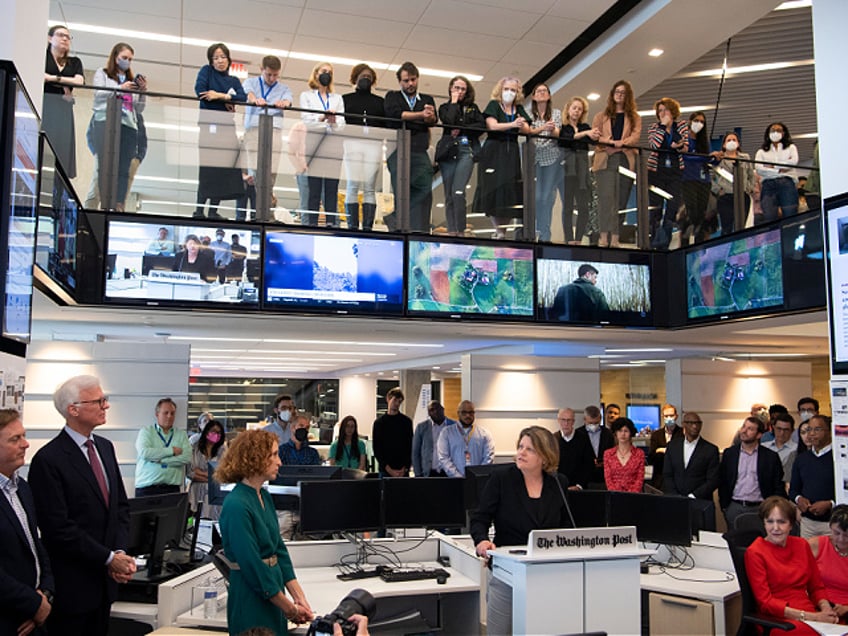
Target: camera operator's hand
359 620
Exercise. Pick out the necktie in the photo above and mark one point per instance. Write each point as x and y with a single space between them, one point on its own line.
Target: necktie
97 467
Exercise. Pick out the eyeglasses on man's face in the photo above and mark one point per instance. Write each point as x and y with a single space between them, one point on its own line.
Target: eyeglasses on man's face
101 402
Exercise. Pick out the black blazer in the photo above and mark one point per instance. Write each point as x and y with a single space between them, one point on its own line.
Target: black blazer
700 477
607 441
656 459
18 599
506 503
575 459
769 474
78 529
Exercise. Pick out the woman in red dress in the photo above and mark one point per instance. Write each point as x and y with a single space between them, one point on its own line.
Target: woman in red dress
782 571
624 464
831 553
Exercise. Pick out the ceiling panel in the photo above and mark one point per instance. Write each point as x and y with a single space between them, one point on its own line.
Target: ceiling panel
553 30
588 12
405 11
473 45
348 28
509 23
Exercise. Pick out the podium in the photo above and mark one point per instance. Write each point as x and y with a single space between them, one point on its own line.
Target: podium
573 581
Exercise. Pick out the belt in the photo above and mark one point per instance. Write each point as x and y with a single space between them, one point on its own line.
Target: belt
271 562
747 504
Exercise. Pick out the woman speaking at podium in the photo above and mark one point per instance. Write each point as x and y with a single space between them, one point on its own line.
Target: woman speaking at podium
251 536
527 496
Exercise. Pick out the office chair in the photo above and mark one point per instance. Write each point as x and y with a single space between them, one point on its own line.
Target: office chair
749 521
753 622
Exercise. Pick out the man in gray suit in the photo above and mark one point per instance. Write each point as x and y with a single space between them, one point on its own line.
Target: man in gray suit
425 459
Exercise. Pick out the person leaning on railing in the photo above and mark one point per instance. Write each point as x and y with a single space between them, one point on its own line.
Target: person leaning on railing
57 116
779 183
722 185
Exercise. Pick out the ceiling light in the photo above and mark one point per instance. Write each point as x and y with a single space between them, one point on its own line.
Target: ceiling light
683 109
655 52
593 96
355 343
751 68
794 4
657 350
133 36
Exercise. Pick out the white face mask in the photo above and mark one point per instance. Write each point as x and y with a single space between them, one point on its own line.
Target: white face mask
507 96
806 415
775 136
731 146
592 428
284 416
669 421
696 126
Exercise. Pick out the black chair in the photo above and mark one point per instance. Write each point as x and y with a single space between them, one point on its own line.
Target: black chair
753 622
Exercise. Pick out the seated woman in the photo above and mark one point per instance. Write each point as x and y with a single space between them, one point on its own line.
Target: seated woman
782 571
624 464
520 498
831 553
348 451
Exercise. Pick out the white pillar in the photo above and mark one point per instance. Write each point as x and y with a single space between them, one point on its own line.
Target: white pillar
23 40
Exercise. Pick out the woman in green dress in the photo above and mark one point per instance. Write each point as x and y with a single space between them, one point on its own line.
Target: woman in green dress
251 536
348 451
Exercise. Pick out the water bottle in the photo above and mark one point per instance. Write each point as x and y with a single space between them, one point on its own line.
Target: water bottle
210 602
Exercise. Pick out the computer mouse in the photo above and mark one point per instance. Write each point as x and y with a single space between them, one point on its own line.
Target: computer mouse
441 579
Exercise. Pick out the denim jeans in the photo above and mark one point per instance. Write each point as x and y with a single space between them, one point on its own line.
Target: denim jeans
778 193
455 176
548 179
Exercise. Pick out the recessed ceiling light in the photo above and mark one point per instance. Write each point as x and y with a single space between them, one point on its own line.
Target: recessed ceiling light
593 96
655 52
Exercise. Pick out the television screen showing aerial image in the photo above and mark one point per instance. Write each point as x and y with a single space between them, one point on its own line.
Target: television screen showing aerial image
735 276
470 279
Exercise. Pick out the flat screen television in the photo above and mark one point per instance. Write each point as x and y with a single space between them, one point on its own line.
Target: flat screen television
735 276
58 220
335 273
424 503
658 519
160 262
455 279
594 287
18 205
802 240
646 417
340 506
836 233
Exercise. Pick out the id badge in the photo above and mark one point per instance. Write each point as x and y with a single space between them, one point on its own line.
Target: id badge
467 457
213 128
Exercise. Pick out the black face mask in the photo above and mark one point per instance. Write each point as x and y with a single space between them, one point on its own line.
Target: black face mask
363 84
325 78
301 435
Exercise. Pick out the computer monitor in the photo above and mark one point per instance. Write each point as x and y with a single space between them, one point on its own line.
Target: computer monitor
156 523
424 503
340 505
476 478
589 507
646 417
658 519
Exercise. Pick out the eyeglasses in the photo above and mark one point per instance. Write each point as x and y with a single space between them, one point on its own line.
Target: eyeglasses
63 36
99 401
619 91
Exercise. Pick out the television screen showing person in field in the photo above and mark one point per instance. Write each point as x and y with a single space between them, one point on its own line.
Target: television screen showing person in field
461 278
735 276
594 293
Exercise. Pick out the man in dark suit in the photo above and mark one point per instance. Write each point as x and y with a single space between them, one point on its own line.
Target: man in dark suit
691 468
26 581
660 440
597 439
575 460
748 473
83 512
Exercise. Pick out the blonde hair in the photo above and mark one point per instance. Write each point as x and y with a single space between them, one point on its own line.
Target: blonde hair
498 89
584 102
247 456
313 78
544 444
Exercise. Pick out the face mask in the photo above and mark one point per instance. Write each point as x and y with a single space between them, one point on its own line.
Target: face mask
668 421
284 416
731 146
775 136
806 415
508 96
122 64
325 78
696 126
763 416
363 84
593 428
301 434
213 437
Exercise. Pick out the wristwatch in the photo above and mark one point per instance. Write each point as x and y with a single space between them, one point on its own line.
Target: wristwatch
48 595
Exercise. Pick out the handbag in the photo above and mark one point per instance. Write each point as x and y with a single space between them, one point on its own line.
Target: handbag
447 149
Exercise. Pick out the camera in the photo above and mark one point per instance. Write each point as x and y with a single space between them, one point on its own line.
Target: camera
358 601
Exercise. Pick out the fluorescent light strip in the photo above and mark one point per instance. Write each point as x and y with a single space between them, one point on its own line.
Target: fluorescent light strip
658 350
794 4
292 352
751 68
355 343
132 35
683 109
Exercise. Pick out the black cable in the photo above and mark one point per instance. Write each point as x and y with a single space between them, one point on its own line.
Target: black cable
720 86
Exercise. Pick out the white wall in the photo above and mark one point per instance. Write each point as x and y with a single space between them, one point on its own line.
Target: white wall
722 392
134 376
358 397
23 39
510 393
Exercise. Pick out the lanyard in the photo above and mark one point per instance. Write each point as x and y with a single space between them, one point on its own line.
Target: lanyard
262 90
327 105
167 442
509 117
412 101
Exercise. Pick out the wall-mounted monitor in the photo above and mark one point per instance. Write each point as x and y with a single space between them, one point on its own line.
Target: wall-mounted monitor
58 221
338 273
735 276
594 287
646 417
836 231
802 239
158 262
458 279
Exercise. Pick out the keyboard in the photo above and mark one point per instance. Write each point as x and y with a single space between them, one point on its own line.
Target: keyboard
359 574
397 575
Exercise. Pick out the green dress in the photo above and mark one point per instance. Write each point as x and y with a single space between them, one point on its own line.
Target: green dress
250 534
